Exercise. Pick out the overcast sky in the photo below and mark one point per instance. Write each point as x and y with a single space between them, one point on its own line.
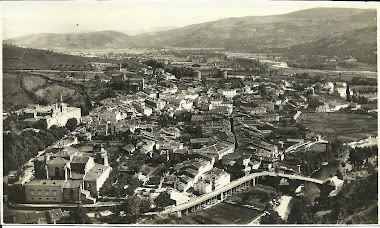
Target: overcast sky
21 18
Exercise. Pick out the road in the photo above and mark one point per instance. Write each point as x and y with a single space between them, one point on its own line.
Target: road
233 184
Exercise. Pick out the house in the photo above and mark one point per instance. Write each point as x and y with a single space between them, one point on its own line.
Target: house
258 111
270 117
212 180
39 217
229 93
156 104
219 149
129 149
313 136
142 108
267 104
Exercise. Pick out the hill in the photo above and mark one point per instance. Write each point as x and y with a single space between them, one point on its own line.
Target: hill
80 41
359 43
314 30
26 58
259 33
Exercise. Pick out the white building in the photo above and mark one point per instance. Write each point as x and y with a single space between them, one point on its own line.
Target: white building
57 114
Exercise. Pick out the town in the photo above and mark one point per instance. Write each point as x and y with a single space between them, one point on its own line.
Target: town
182 136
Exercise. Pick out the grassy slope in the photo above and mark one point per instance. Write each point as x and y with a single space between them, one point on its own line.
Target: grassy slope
13 95
23 58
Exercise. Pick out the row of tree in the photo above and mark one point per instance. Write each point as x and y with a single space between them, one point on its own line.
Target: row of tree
313 161
19 148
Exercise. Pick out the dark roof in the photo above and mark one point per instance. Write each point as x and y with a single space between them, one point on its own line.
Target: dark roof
54 214
58 161
73 184
28 218
80 159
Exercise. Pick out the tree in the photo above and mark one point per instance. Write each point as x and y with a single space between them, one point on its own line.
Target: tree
71 124
145 206
131 207
339 174
77 216
300 211
348 94
272 218
41 124
132 186
163 200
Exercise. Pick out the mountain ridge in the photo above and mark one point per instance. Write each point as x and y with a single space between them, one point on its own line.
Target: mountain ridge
248 34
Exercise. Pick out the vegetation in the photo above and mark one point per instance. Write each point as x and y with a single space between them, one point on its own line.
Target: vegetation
24 146
76 216
359 156
300 212
71 124
272 218
313 161
354 199
163 200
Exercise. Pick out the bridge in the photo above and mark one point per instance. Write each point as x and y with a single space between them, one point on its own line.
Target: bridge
307 144
227 190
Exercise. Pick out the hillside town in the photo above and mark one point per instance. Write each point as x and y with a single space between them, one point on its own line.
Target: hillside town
167 140
228 118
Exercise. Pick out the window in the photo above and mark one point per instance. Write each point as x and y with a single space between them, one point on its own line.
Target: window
54 192
55 198
46 192
39 192
31 192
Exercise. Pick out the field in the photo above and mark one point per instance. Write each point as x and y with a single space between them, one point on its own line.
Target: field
33 82
222 213
13 95
25 58
343 126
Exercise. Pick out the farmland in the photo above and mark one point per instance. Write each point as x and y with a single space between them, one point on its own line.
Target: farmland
222 213
343 126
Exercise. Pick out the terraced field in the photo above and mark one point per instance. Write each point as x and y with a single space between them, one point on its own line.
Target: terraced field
343 126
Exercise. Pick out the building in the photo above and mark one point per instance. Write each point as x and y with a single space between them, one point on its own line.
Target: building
156 104
65 175
228 92
218 150
190 172
270 117
212 180
132 83
57 114
258 111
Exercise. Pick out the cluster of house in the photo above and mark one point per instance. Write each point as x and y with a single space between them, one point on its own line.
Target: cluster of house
339 89
235 124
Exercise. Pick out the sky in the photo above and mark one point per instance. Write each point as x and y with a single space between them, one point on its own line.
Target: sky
21 18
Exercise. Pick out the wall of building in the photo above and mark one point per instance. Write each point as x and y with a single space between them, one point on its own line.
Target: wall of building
43 194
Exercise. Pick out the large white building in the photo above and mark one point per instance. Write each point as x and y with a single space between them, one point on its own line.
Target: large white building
57 114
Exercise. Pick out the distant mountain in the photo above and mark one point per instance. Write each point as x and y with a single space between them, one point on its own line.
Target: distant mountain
262 32
359 43
317 28
77 41
150 31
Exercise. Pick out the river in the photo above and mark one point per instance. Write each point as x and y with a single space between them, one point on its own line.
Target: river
311 190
